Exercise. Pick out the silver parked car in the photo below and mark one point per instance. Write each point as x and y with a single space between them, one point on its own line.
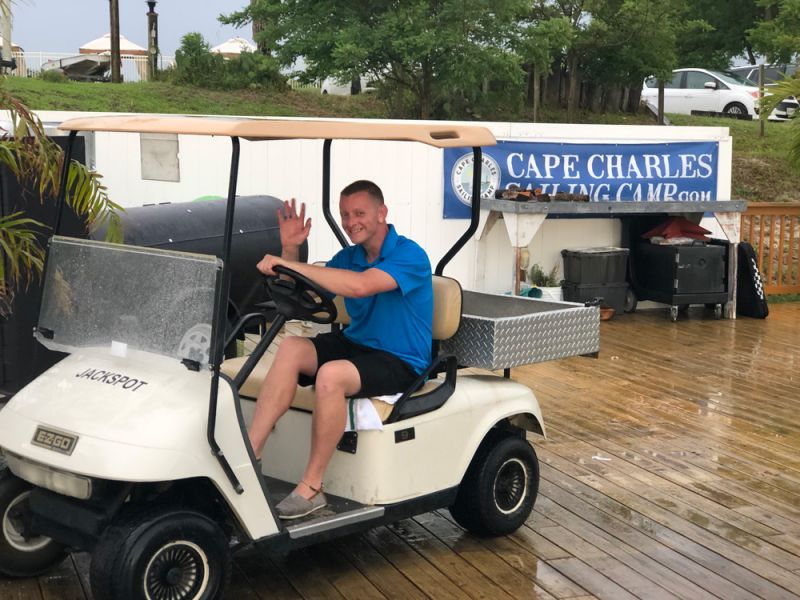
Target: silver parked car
788 107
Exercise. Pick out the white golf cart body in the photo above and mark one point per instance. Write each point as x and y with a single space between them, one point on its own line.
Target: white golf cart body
140 406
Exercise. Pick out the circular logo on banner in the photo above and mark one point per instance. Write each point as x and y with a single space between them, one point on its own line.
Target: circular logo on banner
461 177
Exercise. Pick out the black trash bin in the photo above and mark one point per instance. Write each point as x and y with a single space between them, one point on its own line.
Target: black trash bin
198 227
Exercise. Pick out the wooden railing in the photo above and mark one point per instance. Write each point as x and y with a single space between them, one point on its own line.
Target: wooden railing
773 229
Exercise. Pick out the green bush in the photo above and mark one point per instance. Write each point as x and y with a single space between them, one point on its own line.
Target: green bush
53 76
252 69
196 65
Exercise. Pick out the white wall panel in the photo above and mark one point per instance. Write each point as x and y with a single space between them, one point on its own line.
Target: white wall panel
409 174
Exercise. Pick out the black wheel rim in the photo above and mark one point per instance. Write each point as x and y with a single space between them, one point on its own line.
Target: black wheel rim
511 486
178 571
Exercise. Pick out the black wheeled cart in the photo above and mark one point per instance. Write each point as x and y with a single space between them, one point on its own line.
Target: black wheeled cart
678 275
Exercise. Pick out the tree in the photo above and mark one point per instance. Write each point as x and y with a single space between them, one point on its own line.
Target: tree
438 56
540 41
776 35
626 41
257 27
36 160
614 45
715 32
575 13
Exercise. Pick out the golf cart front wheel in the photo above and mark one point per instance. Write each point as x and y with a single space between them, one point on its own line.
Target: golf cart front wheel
161 555
499 489
22 553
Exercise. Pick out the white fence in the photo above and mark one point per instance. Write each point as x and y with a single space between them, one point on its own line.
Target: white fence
296 85
134 68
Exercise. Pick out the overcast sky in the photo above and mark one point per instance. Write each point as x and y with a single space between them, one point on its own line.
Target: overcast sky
64 25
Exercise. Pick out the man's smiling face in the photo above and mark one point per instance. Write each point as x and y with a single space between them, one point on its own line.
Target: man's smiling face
362 217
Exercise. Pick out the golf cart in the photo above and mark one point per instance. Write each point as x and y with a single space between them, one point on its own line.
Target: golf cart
134 446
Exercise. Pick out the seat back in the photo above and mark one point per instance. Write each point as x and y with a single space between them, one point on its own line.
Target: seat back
446 308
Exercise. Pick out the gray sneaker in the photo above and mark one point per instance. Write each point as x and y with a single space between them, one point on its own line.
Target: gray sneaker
294 506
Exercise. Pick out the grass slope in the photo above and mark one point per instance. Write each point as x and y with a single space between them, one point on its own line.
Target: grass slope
761 172
160 97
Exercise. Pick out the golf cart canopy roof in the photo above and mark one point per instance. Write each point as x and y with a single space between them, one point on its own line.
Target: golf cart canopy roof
444 135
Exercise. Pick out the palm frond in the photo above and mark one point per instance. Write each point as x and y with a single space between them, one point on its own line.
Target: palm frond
88 196
21 254
789 86
36 161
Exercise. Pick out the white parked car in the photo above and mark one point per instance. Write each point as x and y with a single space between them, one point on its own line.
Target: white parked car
704 90
339 88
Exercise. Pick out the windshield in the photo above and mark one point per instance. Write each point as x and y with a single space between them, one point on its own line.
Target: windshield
734 78
126 297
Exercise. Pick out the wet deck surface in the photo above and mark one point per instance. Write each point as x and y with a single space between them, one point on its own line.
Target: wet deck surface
671 470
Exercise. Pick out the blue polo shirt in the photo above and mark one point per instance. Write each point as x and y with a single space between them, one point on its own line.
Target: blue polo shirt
397 321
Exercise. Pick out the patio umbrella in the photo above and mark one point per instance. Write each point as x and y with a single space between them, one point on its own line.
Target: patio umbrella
103 44
234 47
14 46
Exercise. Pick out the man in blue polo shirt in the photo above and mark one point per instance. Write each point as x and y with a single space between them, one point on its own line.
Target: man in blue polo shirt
385 279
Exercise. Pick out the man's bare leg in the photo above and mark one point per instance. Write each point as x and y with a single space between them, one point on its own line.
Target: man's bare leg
336 380
295 355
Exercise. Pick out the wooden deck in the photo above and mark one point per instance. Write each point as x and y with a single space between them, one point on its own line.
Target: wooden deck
671 470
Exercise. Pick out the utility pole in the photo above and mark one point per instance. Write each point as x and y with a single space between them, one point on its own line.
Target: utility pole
152 40
116 75
5 17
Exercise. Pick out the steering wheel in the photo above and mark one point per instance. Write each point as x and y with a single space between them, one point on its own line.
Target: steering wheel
300 298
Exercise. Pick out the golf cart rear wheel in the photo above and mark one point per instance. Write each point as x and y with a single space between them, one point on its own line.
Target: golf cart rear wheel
22 554
161 555
499 489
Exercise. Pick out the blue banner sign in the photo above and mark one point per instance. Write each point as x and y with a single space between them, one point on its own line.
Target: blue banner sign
668 171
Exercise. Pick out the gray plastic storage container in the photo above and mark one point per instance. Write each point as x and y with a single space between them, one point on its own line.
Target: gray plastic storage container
612 294
595 265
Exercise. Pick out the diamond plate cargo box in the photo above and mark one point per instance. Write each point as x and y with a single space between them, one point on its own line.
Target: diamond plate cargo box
500 332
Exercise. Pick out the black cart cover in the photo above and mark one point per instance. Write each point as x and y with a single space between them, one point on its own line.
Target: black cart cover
751 301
